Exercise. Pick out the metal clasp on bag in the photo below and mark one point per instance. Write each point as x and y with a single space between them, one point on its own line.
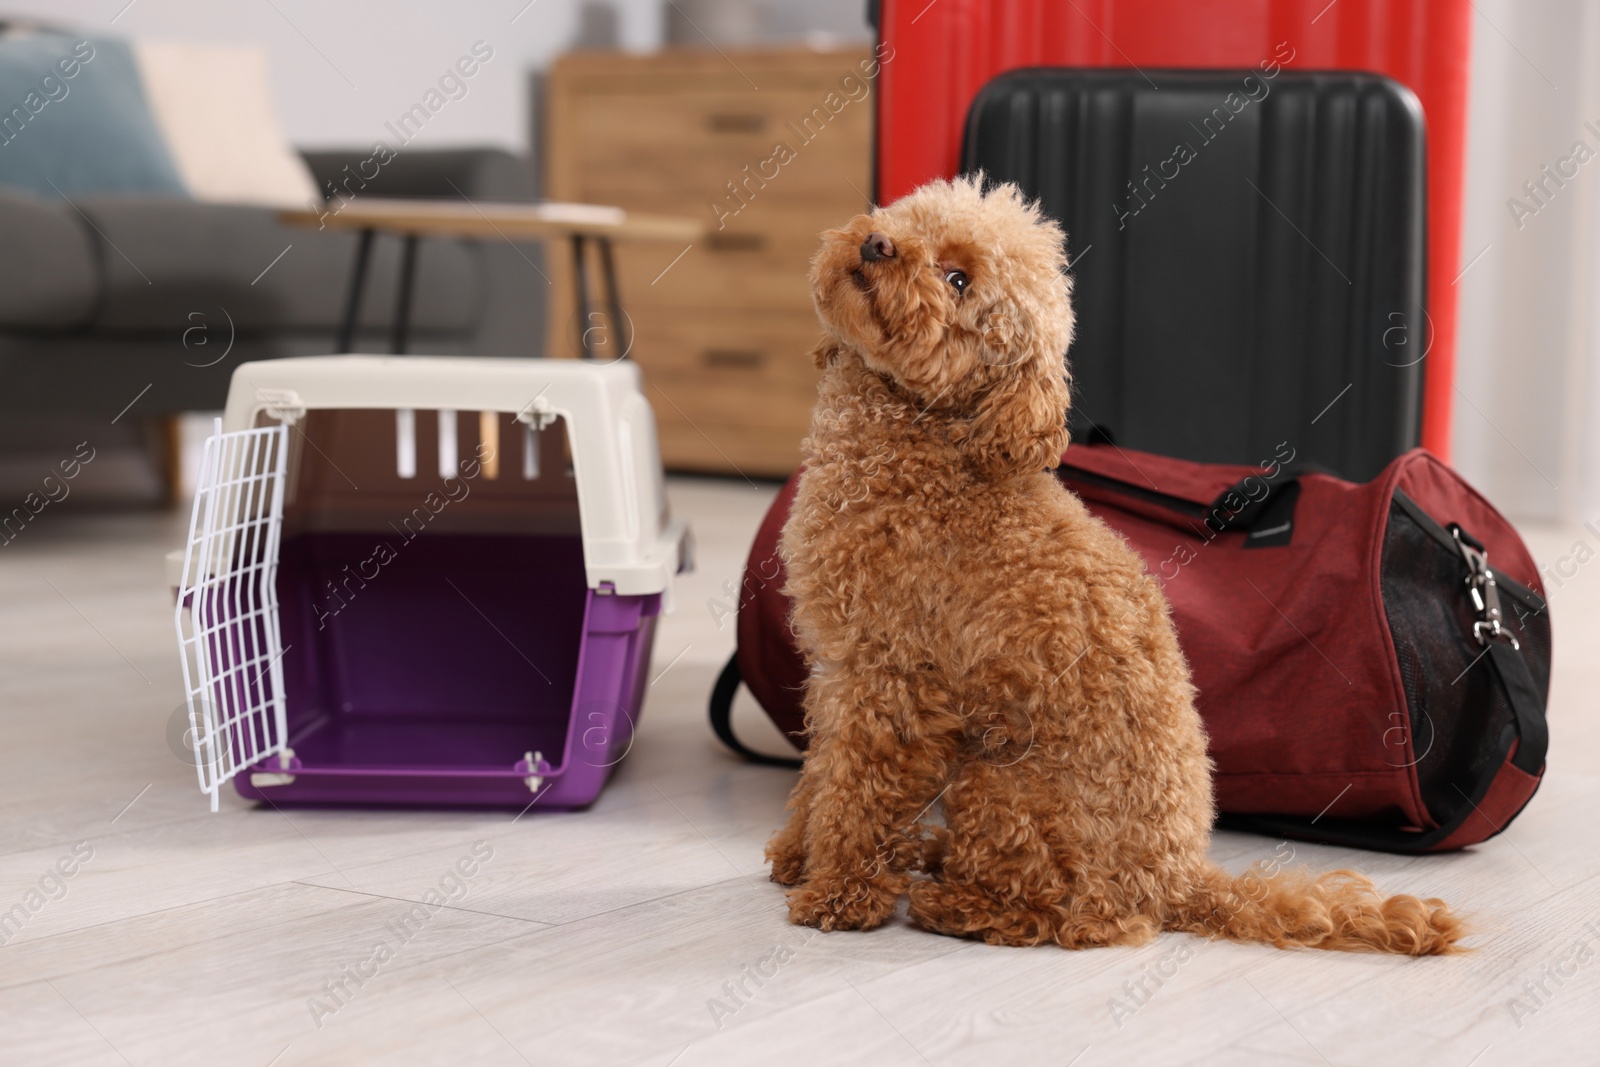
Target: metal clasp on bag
1485 593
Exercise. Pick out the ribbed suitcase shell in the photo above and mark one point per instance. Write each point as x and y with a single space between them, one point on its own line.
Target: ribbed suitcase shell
1247 248
940 54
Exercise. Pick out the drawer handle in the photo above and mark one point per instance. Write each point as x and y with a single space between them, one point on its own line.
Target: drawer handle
736 121
743 358
737 242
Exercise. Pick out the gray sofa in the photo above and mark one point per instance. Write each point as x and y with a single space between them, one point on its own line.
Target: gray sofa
109 294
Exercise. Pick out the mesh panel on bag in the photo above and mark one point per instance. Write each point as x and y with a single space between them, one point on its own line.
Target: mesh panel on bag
1457 708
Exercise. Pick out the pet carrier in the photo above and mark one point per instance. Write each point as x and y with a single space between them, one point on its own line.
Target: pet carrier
423 581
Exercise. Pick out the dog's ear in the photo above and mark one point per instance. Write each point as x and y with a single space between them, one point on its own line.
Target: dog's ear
1021 425
826 353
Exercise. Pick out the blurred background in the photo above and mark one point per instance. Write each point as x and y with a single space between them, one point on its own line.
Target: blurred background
389 58
1526 419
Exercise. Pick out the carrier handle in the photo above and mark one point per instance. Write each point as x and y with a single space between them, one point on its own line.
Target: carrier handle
722 695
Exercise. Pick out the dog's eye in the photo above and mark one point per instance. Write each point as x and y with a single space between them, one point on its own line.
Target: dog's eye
957 280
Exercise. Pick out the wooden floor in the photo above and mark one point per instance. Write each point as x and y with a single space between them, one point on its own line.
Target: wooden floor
639 932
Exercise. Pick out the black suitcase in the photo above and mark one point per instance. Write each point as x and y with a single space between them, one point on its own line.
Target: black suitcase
1248 254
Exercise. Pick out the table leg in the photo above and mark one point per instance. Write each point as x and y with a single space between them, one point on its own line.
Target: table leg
352 301
618 348
402 304
580 282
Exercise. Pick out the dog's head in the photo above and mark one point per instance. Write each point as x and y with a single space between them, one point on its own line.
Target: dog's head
960 297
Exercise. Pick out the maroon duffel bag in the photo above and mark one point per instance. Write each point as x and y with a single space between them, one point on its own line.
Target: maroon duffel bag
1372 660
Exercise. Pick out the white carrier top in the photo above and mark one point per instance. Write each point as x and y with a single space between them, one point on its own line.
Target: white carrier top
628 539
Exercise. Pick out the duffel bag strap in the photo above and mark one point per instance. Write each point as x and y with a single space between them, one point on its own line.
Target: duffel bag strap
722 695
1533 730
1505 655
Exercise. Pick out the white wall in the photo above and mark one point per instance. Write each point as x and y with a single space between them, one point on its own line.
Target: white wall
342 68
1527 431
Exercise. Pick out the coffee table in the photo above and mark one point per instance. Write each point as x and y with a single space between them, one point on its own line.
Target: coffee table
412 220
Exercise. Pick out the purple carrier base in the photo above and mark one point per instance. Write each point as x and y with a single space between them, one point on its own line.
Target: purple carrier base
396 740
617 636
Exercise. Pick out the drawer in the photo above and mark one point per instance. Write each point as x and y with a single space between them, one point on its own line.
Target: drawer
759 245
763 276
741 266
683 148
816 190
733 380
738 364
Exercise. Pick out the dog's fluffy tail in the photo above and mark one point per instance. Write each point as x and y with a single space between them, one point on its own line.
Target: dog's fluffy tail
1340 911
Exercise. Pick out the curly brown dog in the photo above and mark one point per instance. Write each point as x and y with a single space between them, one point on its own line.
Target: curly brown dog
978 640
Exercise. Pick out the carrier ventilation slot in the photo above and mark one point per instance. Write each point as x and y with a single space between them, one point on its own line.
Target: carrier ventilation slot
447 444
405 442
530 452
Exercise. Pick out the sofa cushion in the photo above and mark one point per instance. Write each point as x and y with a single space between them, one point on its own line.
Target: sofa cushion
48 277
73 119
165 259
213 105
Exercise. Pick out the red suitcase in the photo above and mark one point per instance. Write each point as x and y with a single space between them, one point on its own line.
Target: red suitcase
944 51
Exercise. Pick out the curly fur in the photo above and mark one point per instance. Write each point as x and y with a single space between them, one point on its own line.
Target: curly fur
978 640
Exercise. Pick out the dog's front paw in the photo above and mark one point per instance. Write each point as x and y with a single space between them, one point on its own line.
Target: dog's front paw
788 865
787 854
848 904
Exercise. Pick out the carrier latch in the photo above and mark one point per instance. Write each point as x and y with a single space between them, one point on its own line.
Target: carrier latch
287 762
1483 590
530 763
285 405
537 413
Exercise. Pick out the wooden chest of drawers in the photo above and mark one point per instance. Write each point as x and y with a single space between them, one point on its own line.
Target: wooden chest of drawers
769 148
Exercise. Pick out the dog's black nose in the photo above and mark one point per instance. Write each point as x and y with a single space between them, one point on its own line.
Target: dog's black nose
876 246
